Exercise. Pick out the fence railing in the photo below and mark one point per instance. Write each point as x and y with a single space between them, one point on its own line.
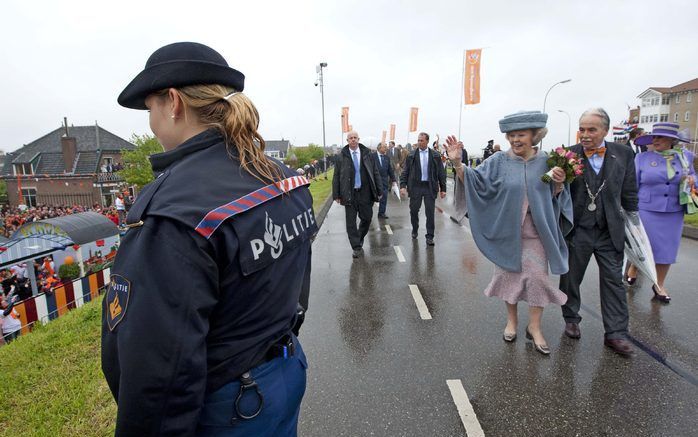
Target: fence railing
45 307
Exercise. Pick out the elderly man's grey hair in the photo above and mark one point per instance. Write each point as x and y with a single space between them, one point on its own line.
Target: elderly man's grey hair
599 112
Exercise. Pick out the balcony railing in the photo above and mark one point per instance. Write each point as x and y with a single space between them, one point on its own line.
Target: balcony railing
109 177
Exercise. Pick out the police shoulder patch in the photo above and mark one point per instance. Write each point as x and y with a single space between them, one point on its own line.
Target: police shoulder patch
118 293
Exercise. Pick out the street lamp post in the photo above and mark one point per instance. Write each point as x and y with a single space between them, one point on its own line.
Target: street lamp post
554 85
546 99
322 96
569 127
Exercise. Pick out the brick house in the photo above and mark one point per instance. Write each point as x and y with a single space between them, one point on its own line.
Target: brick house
68 166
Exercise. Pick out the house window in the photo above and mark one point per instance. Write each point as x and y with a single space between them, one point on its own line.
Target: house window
676 117
689 97
645 102
687 117
664 117
655 118
29 196
665 100
678 99
22 169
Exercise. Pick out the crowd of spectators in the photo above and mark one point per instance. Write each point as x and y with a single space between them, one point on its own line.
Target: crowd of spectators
12 219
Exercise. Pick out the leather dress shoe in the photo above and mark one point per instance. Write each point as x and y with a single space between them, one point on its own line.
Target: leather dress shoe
414 235
430 242
382 216
619 346
357 253
572 330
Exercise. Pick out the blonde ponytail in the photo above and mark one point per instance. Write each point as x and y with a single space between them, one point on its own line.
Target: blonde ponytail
235 116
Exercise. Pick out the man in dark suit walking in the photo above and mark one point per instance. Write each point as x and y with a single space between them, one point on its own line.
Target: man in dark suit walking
608 184
356 185
424 177
637 132
385 168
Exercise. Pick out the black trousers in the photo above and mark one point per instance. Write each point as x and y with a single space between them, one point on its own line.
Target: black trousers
422 193
614 304
383 203
361 205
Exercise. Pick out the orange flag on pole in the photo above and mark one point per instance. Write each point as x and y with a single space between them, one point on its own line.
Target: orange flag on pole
413 119
472 76
345 119
392 132
383 137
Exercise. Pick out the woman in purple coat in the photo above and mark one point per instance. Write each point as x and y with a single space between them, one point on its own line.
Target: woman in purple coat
661 174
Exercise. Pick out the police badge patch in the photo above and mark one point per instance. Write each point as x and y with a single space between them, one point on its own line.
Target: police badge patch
117 299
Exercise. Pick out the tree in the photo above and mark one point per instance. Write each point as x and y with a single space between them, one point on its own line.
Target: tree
308 154
137 169
3 191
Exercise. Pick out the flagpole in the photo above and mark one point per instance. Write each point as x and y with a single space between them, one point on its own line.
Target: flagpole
462 93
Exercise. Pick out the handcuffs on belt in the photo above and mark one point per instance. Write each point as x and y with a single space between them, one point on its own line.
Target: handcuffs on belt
282 348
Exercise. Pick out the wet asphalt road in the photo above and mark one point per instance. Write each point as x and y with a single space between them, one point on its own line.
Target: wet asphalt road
378 369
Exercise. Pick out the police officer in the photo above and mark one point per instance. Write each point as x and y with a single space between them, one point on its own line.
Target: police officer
203 295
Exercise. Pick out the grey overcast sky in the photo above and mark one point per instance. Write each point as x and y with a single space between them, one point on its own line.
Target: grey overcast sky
72 58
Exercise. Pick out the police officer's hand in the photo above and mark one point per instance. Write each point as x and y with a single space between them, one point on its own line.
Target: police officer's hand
443 194
403 192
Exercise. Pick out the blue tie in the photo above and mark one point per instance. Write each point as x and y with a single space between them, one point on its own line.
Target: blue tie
357 170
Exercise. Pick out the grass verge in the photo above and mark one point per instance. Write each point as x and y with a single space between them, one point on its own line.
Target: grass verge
52 384
320 189
51 381
691 220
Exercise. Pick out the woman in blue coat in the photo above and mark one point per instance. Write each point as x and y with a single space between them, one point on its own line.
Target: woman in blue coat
661 174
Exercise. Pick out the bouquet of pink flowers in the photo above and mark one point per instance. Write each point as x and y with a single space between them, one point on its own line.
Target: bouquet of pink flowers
567 160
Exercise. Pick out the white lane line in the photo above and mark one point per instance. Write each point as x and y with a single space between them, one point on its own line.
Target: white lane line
421 305
465 409
389 229
398 252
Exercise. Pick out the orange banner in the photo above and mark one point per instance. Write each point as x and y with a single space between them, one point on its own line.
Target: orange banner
392 132
472 76
345 119
383 137
413 119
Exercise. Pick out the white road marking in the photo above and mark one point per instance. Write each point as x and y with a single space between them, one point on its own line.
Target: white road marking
389 229
421 305
465 409
398 252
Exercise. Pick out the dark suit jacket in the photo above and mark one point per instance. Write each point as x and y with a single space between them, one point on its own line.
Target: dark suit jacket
412 173
386 170
343 179
620 190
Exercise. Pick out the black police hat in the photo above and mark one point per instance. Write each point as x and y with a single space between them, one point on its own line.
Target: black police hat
177 65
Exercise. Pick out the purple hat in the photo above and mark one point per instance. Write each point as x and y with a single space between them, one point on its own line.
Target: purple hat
669 130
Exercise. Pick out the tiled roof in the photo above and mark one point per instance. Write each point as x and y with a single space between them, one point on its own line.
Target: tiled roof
50 163
686 86
276 145
87 162
90 141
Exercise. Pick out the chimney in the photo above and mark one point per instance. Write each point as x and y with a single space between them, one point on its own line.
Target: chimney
69 147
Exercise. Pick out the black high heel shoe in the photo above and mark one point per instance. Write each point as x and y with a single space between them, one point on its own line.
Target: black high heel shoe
539 347
660 297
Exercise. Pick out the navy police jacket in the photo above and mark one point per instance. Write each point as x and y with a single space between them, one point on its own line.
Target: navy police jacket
205 281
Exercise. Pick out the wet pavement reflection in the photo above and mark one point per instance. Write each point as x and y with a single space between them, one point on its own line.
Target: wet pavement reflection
377 368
